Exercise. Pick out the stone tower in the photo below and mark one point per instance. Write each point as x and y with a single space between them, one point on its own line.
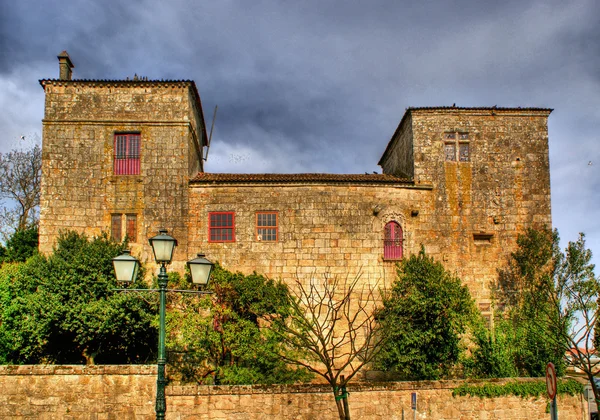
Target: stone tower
490 178
117 156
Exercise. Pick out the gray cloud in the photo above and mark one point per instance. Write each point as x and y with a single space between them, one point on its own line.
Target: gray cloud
316 86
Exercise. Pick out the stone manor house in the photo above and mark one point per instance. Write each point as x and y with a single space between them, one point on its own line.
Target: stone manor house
126 157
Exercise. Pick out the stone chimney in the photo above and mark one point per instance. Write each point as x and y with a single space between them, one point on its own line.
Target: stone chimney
65 66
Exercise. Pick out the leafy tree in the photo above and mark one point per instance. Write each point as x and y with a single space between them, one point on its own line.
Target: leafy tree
493 355
20 176
524 304
332 330
551 295
21 245
221 338
62 309
425 315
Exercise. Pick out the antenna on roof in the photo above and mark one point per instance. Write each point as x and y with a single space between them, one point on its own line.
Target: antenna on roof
211 131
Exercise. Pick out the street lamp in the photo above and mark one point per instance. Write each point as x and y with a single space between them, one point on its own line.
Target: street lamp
200 269
126 268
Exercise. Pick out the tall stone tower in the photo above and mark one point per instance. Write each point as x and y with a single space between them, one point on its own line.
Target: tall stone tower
117 156
489 172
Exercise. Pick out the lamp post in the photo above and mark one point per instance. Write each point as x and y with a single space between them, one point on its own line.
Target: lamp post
126 268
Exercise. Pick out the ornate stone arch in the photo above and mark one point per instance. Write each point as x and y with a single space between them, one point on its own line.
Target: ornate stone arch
392 225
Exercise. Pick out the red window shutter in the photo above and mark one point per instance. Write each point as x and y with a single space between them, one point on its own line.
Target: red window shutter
127 154
131 227
115 228
392 243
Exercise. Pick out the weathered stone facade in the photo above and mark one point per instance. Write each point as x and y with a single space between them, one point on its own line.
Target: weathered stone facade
80 190
127 392
462 182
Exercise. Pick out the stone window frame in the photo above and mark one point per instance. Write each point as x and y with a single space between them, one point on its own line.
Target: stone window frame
127 153
266 230
457 147
123 222
393 248
218 232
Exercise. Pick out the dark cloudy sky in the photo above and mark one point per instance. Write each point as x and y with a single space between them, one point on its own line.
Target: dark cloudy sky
320 86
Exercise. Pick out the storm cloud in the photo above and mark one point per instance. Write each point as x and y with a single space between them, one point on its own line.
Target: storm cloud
320 86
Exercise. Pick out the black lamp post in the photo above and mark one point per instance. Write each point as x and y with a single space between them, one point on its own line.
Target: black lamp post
126 268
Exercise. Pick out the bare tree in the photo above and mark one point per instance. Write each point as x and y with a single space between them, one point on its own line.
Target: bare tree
20 176
334 331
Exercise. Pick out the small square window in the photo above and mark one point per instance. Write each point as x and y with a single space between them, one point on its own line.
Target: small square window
266 226
221 227
456 150
485 306
483 238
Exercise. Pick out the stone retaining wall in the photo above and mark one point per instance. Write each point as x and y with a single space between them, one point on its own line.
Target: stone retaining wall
127 392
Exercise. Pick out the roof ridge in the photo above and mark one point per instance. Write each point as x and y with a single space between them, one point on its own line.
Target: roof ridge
299 177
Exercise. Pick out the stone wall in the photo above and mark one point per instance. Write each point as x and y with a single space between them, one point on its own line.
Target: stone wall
128 392
79 188
466 214
323 229
480 205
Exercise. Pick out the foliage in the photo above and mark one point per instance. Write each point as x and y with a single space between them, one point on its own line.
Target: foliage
20 176
62 309
220 338
552 295
425 315
332 330
21 245
517 388
519 344
493 354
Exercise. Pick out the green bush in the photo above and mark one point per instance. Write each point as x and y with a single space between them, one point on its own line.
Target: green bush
425 316
523 389
220 338
63 309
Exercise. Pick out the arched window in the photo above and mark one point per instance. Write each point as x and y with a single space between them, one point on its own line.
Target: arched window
392 242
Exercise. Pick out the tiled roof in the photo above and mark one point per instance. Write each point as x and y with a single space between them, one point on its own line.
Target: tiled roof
217 178
458 108
138 81
477 108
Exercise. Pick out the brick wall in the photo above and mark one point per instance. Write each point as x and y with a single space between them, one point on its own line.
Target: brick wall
128 392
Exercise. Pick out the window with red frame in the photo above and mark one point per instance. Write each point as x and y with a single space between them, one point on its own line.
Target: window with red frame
127 154
392 242
266 226
221 227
